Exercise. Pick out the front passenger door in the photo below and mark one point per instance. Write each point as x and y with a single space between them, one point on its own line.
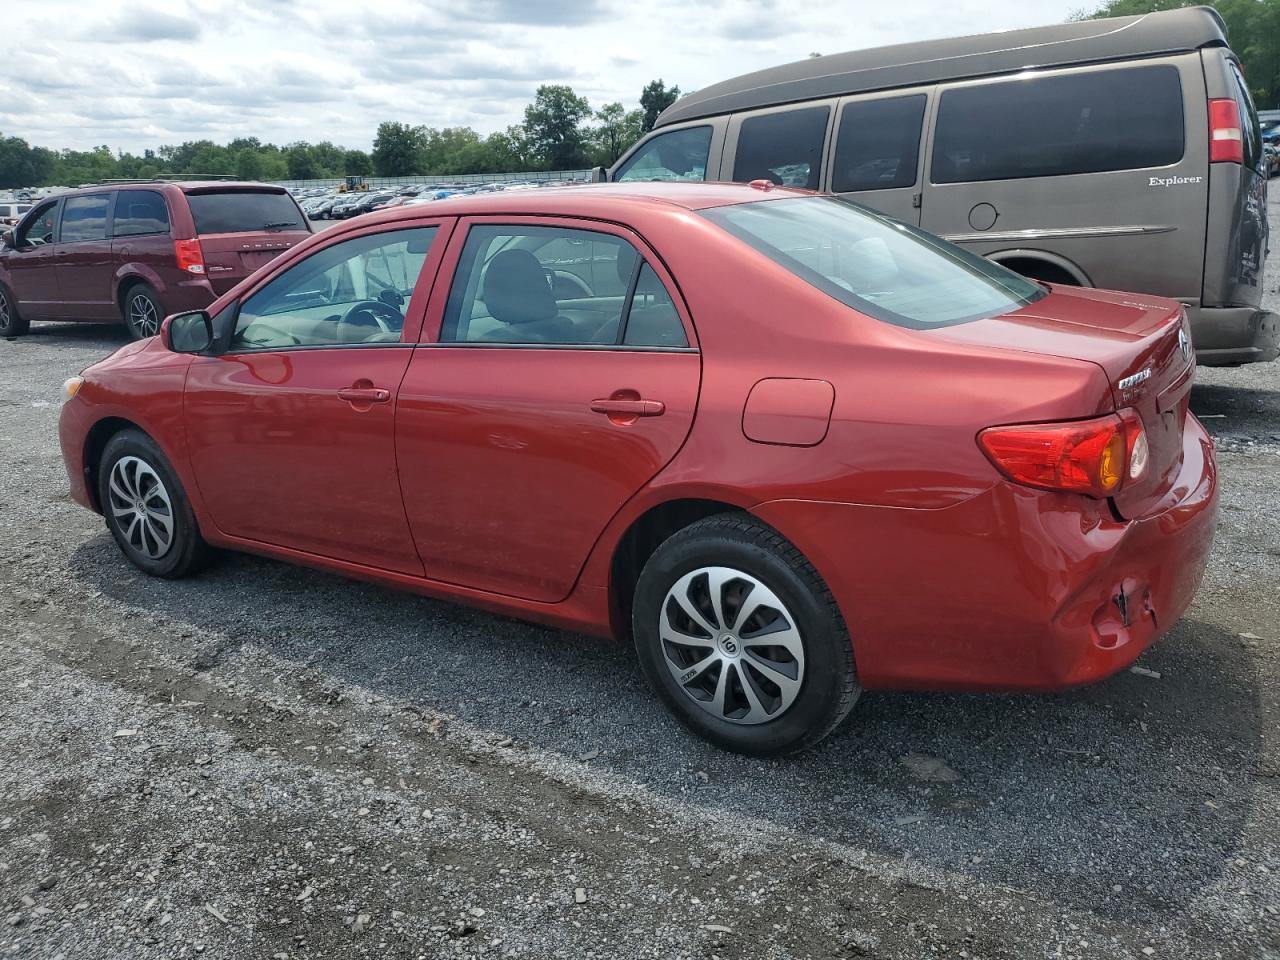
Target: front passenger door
32 275
291 429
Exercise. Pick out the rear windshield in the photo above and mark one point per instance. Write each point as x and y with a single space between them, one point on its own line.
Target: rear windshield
878 266
244 211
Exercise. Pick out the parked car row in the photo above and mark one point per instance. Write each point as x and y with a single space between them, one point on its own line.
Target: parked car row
332 205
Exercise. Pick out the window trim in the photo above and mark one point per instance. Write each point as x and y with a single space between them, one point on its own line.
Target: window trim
446 276
109 220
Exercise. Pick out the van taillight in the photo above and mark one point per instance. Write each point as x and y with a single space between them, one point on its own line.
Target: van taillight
1094 457
1226 139
190 256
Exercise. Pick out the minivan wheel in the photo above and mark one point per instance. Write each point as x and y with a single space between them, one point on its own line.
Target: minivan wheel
11 322
146 509
741 639
142 311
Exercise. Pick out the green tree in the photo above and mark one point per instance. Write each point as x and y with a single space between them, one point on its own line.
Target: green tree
249 164
397 149
16 168
553 126
616 130
356 163
653 100
1253 30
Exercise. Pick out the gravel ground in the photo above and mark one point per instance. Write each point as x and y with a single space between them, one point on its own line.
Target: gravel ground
270 762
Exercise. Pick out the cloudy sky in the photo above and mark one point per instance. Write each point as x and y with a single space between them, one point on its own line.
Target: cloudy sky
139 74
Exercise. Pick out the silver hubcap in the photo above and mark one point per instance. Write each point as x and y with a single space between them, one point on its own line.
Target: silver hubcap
731 645
145 317
140 507
4 310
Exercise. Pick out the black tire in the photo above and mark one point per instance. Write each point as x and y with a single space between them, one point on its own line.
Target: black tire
142 311
12 323
186 551
828 685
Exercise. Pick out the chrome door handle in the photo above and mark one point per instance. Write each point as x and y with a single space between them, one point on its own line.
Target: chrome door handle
364 395
629 408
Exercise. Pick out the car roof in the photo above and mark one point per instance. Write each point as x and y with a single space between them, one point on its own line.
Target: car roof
957 58
183 186
603 201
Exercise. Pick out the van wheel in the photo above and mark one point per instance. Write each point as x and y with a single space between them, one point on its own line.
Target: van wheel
12 323
147 510
142 311
741 639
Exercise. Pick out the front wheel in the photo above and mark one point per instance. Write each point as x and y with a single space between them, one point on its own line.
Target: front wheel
11 322
142 311
741 639
146 508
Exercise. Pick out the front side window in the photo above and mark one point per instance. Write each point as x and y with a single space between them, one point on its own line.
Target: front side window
678 155
244 211
352 293
1034 126
556 285
783 148
40 227
85 218
878 266
878 144
139 213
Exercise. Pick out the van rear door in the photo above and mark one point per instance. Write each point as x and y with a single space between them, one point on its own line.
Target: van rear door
243 228
876 156
1099 171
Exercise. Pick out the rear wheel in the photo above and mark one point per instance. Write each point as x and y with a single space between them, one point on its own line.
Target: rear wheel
142 311
741 639
11 322
146 508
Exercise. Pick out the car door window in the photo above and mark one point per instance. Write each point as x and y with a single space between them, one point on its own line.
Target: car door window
352 293
678 155
516 285
139 213
85 218
783 148
878 144
40 227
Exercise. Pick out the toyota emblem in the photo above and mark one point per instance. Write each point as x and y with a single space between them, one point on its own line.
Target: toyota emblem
1184 344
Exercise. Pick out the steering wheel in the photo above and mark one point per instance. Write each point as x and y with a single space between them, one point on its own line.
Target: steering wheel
387 318
568 286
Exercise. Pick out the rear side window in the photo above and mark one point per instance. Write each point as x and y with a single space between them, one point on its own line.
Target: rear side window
85 218
783 148
878 266
138 213
1053 126
244 211
678 155
878 144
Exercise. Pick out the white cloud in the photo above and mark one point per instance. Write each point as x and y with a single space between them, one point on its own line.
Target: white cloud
139 74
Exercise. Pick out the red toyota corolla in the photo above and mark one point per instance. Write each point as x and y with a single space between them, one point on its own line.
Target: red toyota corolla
793 448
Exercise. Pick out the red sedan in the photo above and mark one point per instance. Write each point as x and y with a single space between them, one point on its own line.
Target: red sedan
794 449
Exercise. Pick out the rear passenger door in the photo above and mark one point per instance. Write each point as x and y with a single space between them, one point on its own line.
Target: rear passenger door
876 157
83 258
782 145
1103 168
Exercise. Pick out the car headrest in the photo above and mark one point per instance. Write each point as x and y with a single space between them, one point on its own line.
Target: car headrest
626 264
516 288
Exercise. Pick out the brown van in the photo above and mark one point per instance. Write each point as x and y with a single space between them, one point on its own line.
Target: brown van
1122 153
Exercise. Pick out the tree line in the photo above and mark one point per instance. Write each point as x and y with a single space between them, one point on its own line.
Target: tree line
560 131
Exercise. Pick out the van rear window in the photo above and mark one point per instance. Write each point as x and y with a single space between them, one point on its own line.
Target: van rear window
1035 126
244 211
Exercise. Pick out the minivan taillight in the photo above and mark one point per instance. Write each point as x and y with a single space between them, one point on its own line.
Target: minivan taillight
190 256
1094 457
1226 138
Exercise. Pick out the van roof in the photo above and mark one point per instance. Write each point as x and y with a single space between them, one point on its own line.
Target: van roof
958 58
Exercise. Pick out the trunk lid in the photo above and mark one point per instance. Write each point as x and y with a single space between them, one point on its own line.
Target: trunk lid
1142 343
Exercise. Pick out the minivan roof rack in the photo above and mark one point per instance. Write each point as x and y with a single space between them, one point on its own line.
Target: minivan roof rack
168 178
957 58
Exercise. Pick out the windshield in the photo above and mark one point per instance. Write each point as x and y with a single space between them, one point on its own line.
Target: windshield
878 266
244 211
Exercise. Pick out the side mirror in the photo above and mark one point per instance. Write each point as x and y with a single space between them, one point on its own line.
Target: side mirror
7 239
599 175
188 332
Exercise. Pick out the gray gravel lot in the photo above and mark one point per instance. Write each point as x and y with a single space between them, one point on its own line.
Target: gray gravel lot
267 761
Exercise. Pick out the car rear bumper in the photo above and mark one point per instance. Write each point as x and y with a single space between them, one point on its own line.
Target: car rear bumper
1231 335
1014 589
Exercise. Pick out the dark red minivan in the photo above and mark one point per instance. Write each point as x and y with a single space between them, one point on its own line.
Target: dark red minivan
138 250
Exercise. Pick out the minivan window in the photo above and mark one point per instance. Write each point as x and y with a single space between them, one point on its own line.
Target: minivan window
783 148
1037 126
878 144
244 211
878 266
40 227
678 155
85 218
138 213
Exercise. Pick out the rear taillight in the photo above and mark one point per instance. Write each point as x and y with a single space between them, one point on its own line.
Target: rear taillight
190 256
1094 457
1226 138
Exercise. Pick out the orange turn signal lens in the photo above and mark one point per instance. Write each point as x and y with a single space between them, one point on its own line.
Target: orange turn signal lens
71 386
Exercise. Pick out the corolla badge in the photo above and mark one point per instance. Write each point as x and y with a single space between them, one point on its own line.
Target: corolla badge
1184 344
1133 380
